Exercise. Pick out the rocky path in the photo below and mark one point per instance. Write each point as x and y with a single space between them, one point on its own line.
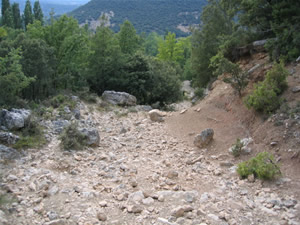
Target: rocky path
139 174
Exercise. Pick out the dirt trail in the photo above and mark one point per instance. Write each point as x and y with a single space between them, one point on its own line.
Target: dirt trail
150 173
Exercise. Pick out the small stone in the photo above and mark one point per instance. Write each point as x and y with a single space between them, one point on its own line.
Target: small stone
183 111
181 221
12 177
148 201
296 89
156 115
103 203
120 197
56 222
39 209
217 172
251 178
289 203
273 143
178 212
136 196
133 183
161 198
134 209
101 216
172 174
52 215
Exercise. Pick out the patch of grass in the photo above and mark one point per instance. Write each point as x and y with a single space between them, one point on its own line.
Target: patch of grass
237 148
262 166
31 136
121 114
71 138
132 110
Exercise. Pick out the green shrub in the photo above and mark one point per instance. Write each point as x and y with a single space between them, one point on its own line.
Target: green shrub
265 97
262 166
237 148
60 101
199 92
71 138
238 79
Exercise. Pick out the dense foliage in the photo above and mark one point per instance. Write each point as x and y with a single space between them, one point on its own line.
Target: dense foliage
227 25
40 61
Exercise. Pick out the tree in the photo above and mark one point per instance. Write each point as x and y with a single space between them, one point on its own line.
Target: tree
217 19
276 19
12 79
16 16
151 43
166 48
7 18
128 39
72 50
5 6
38 13
237 78
38 61
28 17
105 62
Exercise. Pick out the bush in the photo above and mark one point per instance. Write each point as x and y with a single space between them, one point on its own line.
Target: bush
262 166
237 148
238 79
71 138
60 101
199 92
265 97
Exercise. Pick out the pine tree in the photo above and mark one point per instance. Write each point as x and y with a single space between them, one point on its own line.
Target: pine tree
16 16
128 39
38 13
28 18
5 6
7 18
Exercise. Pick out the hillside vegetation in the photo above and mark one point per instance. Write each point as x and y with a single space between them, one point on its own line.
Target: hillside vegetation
39 61
147 16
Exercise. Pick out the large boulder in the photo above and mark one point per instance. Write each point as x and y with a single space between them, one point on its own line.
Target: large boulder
91 135
204 138
8 138
156 115
119 98
14 119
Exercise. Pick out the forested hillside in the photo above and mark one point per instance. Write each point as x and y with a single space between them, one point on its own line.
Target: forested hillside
39 61
146 15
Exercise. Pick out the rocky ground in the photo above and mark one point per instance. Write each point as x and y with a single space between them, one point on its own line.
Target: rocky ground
145 172
139 174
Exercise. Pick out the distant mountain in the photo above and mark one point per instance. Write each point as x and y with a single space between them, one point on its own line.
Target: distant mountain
146 15
59 6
